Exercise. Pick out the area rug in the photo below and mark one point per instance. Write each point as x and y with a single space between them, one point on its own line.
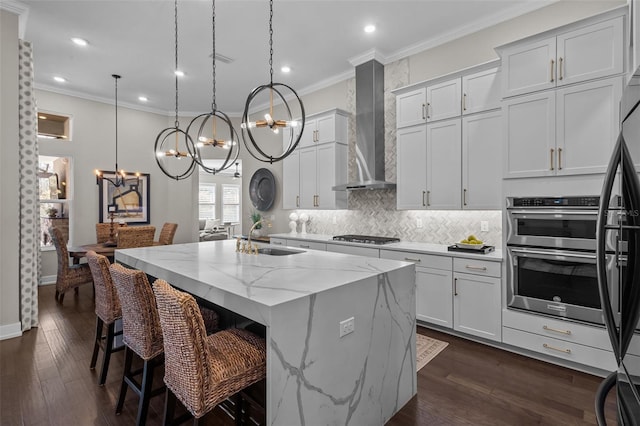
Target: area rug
427 349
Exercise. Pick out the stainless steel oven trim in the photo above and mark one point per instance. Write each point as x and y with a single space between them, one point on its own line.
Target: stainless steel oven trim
557 309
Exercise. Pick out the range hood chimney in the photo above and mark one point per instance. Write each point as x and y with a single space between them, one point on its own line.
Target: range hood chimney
369 129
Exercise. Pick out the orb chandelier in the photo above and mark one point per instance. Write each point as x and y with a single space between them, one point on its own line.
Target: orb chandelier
172 147
280 91
209 121
119 178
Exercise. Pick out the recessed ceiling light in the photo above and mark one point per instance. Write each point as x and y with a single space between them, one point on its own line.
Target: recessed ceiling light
179 73
369 28
142 98
79 41
285 69
59 79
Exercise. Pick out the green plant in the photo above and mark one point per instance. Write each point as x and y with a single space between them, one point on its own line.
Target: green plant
255 217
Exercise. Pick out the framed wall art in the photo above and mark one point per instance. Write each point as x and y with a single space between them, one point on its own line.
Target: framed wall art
128 202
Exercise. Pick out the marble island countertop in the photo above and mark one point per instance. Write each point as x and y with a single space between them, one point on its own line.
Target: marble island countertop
411 246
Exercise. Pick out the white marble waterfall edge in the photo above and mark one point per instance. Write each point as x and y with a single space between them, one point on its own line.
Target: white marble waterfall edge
313 375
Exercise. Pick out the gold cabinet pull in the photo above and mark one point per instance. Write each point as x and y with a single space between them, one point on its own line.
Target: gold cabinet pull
455 286
297 201
552 64
559 158
317 201
428 108
464 197
551 160
424 111
424 202
566 351
409 259
476 268
464 101
560 68
555 330
304 246
428 197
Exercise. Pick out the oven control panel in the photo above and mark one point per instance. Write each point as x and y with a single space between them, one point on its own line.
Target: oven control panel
584 201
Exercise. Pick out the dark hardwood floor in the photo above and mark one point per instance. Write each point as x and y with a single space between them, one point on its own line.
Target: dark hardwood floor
45 380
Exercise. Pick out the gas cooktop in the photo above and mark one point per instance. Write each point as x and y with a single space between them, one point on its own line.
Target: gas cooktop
366 239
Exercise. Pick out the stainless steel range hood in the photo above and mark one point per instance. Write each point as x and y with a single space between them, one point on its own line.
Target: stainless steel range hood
369 129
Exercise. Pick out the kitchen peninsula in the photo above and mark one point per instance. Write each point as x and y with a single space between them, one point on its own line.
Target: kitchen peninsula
314 376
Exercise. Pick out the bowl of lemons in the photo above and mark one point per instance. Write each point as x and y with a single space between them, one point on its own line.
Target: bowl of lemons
471 242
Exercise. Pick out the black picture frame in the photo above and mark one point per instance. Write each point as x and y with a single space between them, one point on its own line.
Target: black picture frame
130 202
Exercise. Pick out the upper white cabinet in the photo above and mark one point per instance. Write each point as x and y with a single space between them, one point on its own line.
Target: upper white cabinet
444 100
581 54
411 108
325 127
411 154
565 132
481 91
318 164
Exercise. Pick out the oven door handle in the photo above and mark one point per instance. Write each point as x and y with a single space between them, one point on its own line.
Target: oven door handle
553 253
547 212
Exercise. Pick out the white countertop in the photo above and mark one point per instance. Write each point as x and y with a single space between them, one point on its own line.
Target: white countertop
263 279
410 246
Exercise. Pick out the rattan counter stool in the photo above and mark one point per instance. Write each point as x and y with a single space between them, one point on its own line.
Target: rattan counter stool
107 312
202 371
68 276
141 335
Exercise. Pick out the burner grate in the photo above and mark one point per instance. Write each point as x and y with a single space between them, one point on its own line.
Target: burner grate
365 239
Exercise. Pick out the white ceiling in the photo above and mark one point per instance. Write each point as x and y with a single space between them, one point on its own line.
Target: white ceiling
316 38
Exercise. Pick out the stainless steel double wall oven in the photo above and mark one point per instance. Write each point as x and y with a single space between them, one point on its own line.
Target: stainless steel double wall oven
551 254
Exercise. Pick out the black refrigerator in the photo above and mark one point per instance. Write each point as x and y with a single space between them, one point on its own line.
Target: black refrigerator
618 230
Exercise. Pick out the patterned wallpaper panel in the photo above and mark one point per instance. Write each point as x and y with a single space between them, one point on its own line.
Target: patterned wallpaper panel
374 212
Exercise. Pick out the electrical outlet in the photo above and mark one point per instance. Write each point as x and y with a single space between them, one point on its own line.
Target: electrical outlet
484 226
347 326
419 223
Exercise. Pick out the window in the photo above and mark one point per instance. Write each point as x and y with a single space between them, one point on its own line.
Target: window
207 201
53 175
231 203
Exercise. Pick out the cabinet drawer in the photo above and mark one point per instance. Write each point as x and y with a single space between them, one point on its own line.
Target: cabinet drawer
424 260
278 241
586 355
478 267
307 245
558 329
359 251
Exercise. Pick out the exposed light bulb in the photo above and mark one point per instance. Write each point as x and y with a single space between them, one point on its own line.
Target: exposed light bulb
179 73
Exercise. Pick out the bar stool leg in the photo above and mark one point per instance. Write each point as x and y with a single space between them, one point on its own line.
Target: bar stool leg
96 346
108 348
128 358
145 391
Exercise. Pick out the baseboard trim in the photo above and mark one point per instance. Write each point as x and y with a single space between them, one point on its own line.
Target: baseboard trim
10 331
47 280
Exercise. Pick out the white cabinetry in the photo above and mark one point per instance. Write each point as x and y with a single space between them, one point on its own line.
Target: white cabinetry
411 154
576 55
444 100
357 250
411 108
310 245
481 91
315 167
565 132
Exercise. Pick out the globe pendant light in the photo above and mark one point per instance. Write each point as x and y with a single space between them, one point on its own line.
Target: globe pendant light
173 145
120 176
209 121
280 90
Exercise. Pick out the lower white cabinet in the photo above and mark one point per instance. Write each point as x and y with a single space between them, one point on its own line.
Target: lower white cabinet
311 245
277 241
433 296
357 250
476 306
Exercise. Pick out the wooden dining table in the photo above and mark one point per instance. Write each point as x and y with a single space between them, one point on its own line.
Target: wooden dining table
78 252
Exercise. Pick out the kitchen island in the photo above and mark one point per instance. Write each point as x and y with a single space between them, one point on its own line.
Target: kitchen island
314 376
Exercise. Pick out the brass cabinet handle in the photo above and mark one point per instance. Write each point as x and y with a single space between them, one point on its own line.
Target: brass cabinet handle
424 203
277 243
304 246
297 201
455 286
560 68
476 268
552 64
317 201
566 351
424 112
555 330
551 160
559 158
464 102
408 259
464 197
428 108
428 196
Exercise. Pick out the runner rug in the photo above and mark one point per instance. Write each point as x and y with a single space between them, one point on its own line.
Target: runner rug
427 349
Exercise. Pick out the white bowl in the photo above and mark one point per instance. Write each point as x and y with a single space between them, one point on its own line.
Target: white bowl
470 246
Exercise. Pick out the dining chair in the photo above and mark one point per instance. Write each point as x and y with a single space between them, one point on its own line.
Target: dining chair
103 231
136 236
202 371
167 233
68 276
108 311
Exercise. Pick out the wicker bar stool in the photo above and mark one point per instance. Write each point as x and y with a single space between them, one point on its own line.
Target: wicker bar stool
141 334
107 312
167 233
69 276
202 371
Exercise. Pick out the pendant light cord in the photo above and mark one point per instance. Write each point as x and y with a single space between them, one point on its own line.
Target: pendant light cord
177 123
271 42
214 106
116 77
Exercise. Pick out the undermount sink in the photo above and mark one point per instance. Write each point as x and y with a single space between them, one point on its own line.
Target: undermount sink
272 251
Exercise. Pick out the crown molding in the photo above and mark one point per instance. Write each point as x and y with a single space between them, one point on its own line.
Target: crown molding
367 56
20 9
